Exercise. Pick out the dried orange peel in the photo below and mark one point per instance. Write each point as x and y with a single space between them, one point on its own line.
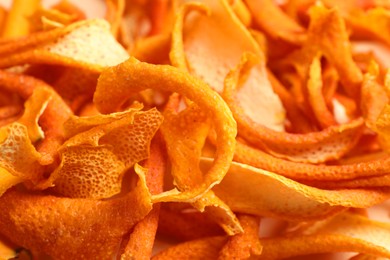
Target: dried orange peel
94 161
197 122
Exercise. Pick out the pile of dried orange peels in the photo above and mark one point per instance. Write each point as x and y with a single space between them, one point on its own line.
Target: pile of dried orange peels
194 121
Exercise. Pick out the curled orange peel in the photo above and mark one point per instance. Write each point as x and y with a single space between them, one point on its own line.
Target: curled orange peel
142 76
192 126
293 201
315 147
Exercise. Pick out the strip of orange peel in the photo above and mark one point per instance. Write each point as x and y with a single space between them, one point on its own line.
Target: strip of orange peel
293 200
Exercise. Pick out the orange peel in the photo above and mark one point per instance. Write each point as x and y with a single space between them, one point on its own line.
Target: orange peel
30 219
192 126
142 76
94 161
293 201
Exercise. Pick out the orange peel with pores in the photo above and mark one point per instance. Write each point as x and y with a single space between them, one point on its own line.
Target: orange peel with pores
94 161
48 224
142 76
293 200
192 126
314 147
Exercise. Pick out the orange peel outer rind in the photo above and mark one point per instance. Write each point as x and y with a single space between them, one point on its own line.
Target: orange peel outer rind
48 224
93 162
